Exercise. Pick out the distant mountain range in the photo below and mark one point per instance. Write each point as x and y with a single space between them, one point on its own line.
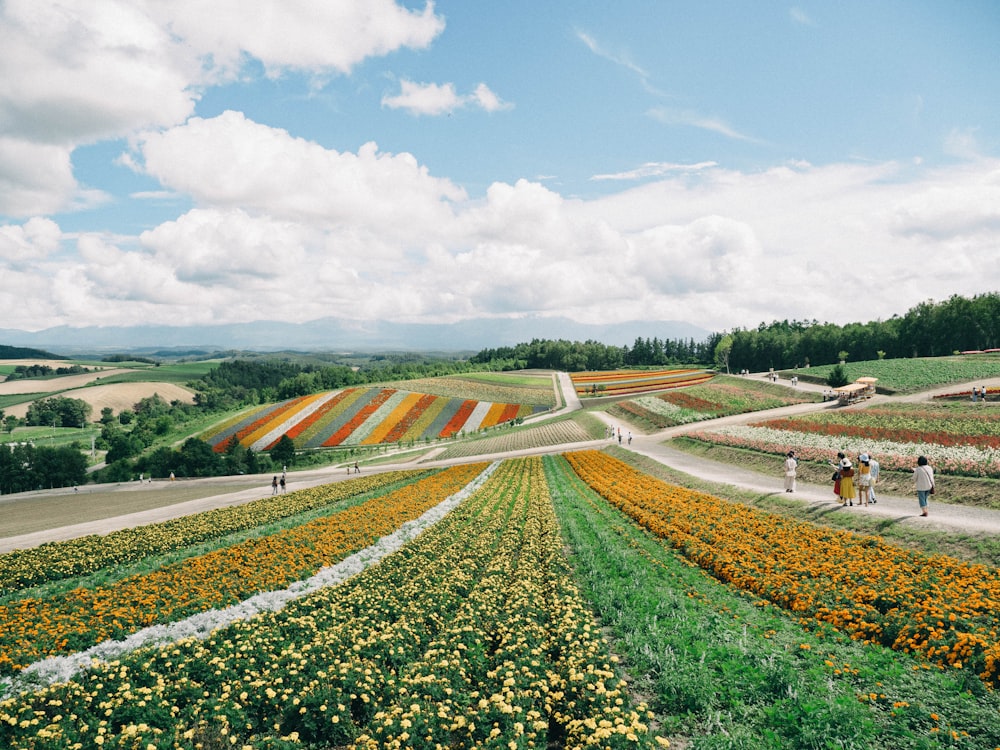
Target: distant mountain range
338 335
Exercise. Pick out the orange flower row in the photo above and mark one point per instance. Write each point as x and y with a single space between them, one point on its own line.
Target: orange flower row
944 609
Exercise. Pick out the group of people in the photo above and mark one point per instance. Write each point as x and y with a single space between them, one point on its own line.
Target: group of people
610 432
278 483
847 479
978 394
852 482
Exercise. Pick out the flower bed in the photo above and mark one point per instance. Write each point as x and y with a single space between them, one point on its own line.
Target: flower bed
938 607
475 635
32 627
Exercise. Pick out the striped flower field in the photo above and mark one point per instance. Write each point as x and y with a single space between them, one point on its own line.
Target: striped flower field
363 416
625 382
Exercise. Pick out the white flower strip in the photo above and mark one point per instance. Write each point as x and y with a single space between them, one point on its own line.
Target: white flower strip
960 459
376 418
62 668
475 419
291 421
667 409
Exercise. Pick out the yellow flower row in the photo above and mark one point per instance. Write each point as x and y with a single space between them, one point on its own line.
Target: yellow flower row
944 609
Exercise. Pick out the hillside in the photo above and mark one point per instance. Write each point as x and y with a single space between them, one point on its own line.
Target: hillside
21 352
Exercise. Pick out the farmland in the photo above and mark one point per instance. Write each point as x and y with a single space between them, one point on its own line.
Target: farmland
719 397
624 382
477 632
575 600
362 416
908 375
958 439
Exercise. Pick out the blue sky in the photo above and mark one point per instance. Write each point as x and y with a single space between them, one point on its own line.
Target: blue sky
720 163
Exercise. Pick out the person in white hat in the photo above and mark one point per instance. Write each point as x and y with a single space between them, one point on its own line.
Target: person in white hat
846 482
864 479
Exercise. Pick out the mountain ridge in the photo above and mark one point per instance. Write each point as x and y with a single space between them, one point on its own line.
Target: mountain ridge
337 334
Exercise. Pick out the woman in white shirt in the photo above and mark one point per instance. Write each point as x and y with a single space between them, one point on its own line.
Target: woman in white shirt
791 463
923 476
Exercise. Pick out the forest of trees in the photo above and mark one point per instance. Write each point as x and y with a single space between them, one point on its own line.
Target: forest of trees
927 330
574 356
26 467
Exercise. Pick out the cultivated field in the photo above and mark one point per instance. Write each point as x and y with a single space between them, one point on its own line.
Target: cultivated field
115 396
480 631
572 600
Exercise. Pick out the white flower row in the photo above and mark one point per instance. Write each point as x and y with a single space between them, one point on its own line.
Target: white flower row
475 419
667 409
964 459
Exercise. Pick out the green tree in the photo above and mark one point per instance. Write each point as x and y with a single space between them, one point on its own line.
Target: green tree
722 351
837 376
284 451
197 459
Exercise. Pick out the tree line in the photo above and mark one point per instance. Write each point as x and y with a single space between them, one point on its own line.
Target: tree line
25 467
576 356
927 330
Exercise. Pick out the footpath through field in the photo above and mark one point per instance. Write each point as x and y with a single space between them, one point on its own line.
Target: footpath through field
895 509
892 508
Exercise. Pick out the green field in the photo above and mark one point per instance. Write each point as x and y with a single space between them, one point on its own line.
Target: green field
910 375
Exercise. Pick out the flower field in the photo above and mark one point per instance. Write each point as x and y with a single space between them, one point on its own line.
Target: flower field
719 397
624 382
942 609
476 630
56 561
956 438
550 433
473 635
498 387
363 416
32 627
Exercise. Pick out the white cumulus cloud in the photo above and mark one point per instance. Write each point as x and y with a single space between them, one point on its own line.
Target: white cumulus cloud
440 99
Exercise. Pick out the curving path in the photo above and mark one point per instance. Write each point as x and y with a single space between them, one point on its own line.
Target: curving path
218 491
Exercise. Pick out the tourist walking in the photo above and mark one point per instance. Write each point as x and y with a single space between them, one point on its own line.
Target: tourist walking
874 466
846 482
791 464
923 477
274 485
843 483
864 479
